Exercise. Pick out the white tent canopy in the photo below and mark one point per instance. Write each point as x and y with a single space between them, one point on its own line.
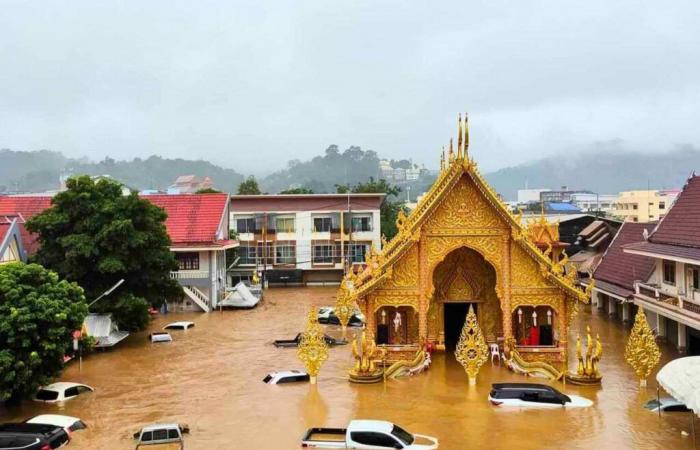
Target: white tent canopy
681 379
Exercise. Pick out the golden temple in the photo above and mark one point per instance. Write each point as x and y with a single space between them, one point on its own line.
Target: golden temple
463 246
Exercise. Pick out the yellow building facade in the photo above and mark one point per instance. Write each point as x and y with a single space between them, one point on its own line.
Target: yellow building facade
462 246
643 206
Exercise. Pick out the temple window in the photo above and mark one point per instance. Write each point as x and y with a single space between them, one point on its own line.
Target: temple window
535 326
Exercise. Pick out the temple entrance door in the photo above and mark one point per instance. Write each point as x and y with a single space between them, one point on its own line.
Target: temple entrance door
455 315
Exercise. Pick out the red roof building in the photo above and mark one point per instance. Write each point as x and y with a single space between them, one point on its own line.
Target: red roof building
24 207
617 271
11 248
672 290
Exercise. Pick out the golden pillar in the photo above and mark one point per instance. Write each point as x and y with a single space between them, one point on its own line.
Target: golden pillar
564 333
371 319
423 287
506 301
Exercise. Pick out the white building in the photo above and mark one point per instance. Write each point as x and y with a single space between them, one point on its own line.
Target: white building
530 195
588 202
303 239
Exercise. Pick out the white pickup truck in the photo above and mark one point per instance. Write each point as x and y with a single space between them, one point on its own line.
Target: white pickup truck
367 434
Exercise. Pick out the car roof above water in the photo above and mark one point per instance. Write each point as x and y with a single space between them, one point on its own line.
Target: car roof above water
381 426
160 426
524 386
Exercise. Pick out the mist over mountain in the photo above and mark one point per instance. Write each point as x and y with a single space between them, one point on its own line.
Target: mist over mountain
606 170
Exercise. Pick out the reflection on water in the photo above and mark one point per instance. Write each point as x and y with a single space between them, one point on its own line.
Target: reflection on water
209 377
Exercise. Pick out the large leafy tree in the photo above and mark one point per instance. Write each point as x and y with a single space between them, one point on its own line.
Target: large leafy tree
389 209
94 235
38 312
249 187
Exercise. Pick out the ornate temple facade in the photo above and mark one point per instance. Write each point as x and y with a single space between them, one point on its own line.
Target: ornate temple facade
462 246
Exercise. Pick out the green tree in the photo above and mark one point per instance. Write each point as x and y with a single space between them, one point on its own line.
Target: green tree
94 235
389 209
299 190
208 191
38 312
249 187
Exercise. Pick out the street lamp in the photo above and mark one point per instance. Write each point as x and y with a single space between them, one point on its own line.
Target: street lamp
107 292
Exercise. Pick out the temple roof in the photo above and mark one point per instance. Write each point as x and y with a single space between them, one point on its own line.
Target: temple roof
454 166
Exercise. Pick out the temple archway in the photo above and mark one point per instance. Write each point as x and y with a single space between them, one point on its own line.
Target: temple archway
462 278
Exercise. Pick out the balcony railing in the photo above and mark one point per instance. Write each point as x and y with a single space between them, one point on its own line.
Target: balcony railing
189 274
680 301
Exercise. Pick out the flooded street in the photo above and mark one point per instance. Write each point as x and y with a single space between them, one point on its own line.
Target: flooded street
210 378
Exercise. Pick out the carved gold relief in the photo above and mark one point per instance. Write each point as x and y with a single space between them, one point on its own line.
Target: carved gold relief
406 270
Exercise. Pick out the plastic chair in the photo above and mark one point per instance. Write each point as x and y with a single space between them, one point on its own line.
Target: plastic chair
495 353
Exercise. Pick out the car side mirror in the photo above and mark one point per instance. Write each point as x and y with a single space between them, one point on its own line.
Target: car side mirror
137 434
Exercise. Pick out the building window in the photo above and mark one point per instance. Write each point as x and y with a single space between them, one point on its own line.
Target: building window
248 254
634 219
187 261
356 252
322 224
361 224
245 225
651 216
265 255
634 206
284 224
694 275
323 254
662 205
669 272
285 254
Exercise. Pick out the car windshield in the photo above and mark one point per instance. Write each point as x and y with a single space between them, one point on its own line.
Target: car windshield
651 404
403 435
45 394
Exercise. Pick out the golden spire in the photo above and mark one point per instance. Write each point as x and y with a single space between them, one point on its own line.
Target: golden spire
471 351
451 153
459 136
313 349
465 149
442 159
642 351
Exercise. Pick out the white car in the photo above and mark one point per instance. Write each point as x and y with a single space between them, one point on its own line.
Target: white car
666 404
162 435
160 336
367 434
533 395
287 376
184 325
68 423
61 391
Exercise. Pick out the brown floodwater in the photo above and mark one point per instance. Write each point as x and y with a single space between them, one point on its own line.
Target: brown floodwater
210 377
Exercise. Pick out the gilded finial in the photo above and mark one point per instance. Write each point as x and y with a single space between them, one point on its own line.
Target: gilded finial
442 159
465 148
459 136
451 152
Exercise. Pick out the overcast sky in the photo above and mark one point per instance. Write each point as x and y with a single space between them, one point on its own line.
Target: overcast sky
250 85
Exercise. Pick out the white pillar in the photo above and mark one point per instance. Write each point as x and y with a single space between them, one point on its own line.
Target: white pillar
625 312
611 306
682 335
661 325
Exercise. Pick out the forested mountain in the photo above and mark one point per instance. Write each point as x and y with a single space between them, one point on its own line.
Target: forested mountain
41 171
322 173
603 171
606 171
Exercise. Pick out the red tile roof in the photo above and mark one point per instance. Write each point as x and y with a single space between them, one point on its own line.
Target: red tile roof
681 226
192 218
25 207
623 269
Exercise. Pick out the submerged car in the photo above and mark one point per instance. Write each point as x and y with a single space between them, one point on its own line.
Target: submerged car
183 325
68 423
295 342
61 391
666 404
326 316
287 376
32 436
533 395
163 435
160 336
